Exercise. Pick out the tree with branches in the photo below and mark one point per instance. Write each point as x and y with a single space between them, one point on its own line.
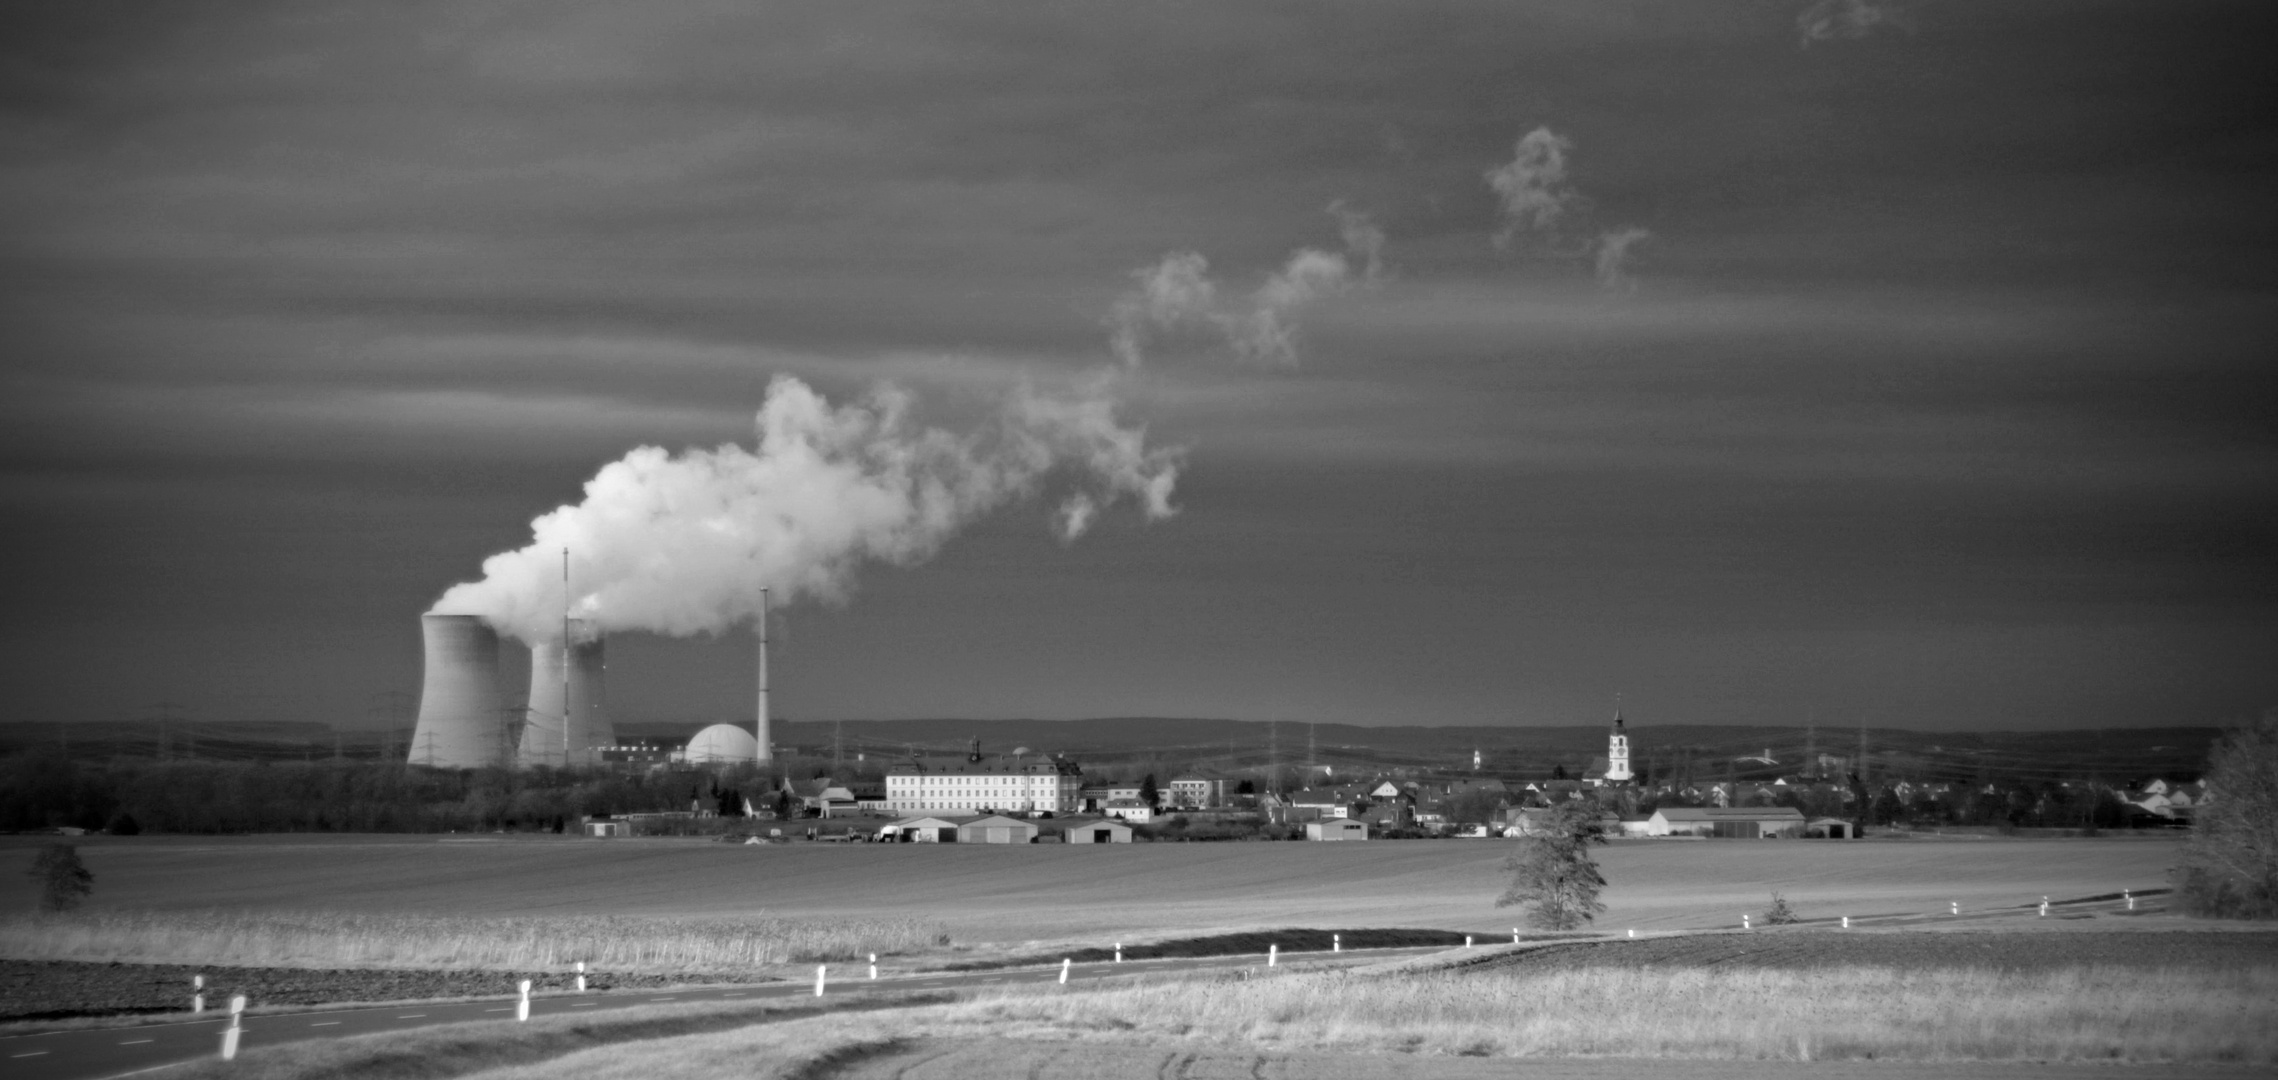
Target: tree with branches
64 880
1552 874
2230 867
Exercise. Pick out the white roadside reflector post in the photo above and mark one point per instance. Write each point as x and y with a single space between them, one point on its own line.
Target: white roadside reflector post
581 976
1957 907
236 1027
522 1004
820 970
1336 943
1065 964
1118 952
2044 907
197 993
1633 931
2130 894
1744 923
1273 955
873 967
1467 941
1514 935
1846 922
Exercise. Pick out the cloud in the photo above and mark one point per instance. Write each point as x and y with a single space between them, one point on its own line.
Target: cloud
1611 254
1178 293
682 543
1533 185
1847 20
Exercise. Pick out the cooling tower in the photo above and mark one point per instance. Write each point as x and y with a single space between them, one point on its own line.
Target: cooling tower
460 725
542 741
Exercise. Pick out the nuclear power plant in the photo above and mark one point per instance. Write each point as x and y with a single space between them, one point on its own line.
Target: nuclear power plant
460 725
463 718
566 723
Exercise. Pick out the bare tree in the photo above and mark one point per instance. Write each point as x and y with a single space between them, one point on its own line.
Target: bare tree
1552 873
2230 868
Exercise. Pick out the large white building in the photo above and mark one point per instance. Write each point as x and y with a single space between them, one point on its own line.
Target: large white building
1012 787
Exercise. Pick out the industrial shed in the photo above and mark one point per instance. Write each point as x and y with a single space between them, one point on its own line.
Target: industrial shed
608 828
1336 829
1736 823
923 830
996 829
1109 831
1827 828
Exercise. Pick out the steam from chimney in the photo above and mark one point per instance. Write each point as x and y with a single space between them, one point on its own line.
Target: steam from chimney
1847 20
1178 293
681 544
1532 185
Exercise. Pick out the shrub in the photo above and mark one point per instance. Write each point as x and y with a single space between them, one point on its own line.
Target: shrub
64 880
1780 914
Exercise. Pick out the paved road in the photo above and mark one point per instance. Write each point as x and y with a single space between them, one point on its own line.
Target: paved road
90 1053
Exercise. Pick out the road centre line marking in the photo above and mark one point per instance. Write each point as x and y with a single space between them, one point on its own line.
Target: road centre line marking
326 1023
583 1004
502 1008
136 1042
411 1016
35 1053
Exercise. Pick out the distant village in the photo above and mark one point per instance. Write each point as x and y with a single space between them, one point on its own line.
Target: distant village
1026 797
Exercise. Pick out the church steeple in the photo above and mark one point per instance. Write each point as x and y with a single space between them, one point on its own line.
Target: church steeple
1617 750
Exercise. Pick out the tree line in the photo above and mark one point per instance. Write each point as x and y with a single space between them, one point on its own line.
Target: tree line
128 795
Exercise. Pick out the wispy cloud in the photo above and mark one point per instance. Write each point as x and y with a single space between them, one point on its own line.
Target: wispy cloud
1847 20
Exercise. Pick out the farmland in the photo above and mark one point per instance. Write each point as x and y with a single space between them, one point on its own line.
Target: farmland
983 895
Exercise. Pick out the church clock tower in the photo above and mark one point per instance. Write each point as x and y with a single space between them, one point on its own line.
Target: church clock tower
1617 752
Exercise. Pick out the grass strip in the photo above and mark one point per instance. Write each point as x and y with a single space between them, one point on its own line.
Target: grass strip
453 1050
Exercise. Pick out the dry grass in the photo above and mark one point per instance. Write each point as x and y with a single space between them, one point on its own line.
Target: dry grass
2089 1014
509 943
1921 1014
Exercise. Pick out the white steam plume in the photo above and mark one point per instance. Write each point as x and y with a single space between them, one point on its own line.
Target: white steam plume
1178 293
1265 334
1532 185
1847 20
1173 292
1362 237
682 543
1612 256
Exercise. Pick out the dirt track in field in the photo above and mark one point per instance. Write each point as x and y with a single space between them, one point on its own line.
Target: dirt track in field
1819 949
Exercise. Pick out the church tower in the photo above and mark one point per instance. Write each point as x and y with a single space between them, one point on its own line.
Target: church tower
1617 751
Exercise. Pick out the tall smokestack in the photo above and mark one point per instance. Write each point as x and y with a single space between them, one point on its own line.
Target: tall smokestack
760 729
545 738
460 725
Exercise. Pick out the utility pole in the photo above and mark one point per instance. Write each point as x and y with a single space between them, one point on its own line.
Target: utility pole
565 659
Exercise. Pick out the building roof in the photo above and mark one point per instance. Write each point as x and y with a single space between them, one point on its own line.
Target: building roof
929 821
998 821
1718 813
962 767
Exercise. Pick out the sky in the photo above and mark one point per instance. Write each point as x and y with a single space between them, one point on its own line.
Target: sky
1836 361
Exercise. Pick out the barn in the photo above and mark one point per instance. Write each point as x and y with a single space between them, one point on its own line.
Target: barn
1336 829
923 830
1736 823
996 829
1107 831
